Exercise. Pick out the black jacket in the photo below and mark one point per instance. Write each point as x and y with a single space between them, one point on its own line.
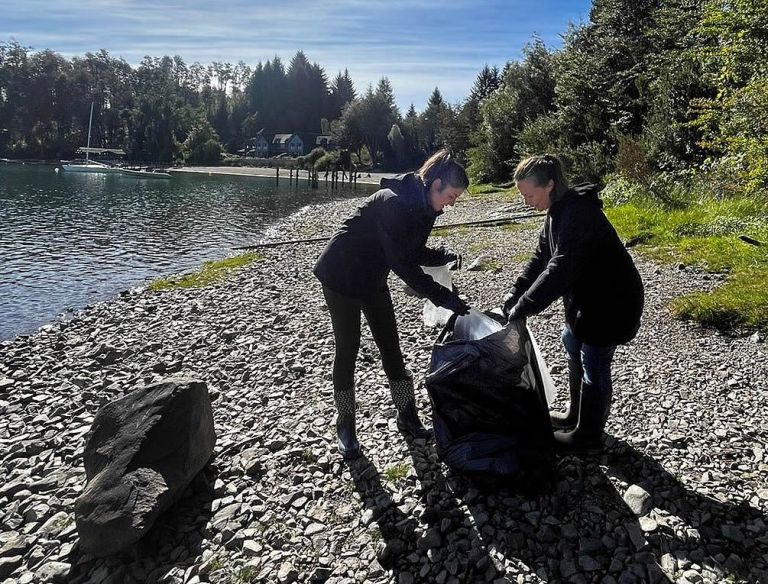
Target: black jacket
581 259
389 231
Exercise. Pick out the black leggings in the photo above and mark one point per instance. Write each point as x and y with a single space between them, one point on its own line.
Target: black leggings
345 318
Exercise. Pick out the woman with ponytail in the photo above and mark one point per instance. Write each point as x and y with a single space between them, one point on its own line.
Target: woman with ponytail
388 232
580 259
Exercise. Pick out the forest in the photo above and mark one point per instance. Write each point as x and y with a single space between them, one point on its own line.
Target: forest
641 88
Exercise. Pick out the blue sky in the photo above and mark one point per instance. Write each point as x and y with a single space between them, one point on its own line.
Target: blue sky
418 44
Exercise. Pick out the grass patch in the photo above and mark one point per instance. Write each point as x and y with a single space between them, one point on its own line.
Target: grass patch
704 232
522 226
210 272
488 192
443 231
245 575
396 472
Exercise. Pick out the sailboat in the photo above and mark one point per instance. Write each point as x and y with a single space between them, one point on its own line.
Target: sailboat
92 165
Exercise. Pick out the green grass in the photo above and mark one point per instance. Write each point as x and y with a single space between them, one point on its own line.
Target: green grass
397 471
244 575
522 226
704 232
210 273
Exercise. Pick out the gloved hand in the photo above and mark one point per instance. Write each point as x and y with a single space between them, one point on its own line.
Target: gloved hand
509 302
514 315
454 303
455 258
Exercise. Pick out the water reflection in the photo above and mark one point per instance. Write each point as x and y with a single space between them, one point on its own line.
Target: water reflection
70 239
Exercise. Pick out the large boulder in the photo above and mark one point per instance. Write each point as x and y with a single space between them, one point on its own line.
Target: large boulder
140 454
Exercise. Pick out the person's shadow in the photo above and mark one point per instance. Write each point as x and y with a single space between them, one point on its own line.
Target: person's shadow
174 541
584 531
435 540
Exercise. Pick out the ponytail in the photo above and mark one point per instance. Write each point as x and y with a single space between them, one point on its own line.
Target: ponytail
443 165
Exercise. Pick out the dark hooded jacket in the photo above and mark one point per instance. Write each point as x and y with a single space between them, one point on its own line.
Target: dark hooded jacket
388 231
580 258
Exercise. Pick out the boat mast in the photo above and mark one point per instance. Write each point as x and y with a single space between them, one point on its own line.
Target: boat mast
88 147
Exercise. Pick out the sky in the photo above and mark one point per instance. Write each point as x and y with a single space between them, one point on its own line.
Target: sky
417 44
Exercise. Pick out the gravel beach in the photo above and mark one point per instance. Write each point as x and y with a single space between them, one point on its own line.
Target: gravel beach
680 494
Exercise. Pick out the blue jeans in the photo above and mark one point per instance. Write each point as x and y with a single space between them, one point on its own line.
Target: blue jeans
594 362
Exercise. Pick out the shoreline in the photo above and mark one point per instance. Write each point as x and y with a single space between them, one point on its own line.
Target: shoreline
372 178
261 340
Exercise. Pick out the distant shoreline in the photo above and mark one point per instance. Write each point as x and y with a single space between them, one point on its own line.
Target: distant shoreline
372 178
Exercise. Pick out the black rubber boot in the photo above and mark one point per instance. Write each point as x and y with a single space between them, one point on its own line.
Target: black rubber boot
407 419
346 433
587 437
568 419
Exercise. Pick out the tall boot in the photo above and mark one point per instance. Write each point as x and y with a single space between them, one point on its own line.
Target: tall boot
405 401
587 437
346 433
568 419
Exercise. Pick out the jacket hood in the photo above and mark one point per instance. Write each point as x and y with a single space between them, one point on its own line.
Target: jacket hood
587 191
403 184
411 188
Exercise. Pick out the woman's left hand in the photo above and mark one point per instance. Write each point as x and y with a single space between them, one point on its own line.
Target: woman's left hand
455 258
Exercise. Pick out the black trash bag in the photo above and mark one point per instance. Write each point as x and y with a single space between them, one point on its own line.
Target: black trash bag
489 408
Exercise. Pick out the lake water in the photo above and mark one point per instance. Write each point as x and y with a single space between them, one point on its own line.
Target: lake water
71 239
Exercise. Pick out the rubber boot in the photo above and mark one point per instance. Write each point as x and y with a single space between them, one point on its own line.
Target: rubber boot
568 419
346 433
403 397
587 437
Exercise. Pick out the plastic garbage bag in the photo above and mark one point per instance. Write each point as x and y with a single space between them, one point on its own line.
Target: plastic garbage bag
489 407
474 325
435 315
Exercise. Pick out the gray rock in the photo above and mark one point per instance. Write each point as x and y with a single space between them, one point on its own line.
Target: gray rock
140 454
54 572
638 500
287 573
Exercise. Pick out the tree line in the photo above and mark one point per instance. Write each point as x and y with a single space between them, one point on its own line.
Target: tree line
644 87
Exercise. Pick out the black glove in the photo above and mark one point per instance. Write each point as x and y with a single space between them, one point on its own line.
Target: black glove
455 258
514 315
454 303
509 302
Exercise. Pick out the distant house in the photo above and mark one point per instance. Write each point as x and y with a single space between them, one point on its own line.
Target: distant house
261 146
258 146
290 144
325 142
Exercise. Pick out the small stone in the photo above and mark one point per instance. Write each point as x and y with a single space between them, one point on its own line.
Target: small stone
638 500
287 573
588 563
252 548
692 576
54 572
648 524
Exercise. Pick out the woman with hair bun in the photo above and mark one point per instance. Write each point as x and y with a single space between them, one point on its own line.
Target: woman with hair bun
580 259
388 232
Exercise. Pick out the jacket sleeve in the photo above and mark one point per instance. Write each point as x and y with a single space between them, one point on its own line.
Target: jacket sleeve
534 267
403 252
433 256
572 245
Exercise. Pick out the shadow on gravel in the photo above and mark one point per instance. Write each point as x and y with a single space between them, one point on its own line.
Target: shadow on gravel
174 541
584 531
727 538
426 554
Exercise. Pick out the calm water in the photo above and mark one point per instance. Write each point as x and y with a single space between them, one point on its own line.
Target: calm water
70 239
